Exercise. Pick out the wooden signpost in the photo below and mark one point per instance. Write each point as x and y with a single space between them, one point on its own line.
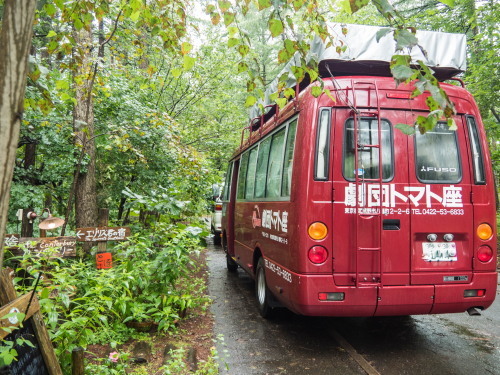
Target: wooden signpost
11 240
38 359
102 234
52 247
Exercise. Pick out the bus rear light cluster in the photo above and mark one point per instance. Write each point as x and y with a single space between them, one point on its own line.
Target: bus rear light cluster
218 207
317 254
484 231
317 230
331 296
474 293
484 254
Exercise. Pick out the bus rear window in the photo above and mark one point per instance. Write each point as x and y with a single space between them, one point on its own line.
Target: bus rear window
437 155
368 163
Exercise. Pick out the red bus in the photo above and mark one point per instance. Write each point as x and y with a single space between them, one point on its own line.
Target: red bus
336 212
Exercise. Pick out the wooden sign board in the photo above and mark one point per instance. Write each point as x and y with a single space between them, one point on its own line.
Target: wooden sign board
38 359
11 240
101 234
52 247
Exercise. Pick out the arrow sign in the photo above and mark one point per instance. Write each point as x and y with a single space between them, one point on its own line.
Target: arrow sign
101 234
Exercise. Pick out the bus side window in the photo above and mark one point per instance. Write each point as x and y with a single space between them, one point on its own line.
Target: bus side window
322 146
227 183
261 170
252 163
274 171
288 163
242 176
477 155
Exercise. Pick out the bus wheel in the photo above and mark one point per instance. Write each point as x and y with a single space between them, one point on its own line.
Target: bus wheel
262 291
232 266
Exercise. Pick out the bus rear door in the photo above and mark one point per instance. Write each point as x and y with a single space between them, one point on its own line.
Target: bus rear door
372 235
442 213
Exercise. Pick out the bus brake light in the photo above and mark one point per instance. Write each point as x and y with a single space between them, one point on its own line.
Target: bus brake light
317 254
484 254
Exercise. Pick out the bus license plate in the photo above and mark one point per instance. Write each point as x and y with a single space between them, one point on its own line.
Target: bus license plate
439 251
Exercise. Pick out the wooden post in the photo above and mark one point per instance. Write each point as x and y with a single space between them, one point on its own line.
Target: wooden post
103 222
27 224
78 366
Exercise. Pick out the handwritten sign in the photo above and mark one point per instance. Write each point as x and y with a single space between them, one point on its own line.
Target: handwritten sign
103 261
101 234
52 247
11 240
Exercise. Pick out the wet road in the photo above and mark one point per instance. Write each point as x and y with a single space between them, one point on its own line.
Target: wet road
297 345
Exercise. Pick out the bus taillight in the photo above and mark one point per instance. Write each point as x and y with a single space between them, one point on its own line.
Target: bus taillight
484 254
318 254
474 293
331 296
317 230
218 207
484 231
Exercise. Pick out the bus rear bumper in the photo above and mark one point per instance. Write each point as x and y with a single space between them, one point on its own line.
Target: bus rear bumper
373 300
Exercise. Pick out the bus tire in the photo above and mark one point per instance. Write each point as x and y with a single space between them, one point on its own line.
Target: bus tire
262 291
231 265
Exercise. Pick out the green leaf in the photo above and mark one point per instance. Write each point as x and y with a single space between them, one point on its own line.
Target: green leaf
381 33
135 15
297 4
275 27
450 3
357 4
281 102
432 104
62 84
228 18
384 7
78 24
224 5
242 67
251 100
263 4
329 94
404 39
284 56
188 62
401 72
406 129
51 34
233 42
316 91
243 50
176 72
186 48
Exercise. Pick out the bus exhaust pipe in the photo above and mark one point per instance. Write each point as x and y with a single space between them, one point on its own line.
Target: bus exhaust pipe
473 311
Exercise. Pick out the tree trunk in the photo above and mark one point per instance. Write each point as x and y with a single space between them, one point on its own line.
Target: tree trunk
15 42
83 117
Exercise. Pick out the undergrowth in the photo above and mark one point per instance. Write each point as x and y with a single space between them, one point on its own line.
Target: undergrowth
150 281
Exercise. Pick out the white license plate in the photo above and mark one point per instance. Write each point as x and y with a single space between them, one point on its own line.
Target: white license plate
439 251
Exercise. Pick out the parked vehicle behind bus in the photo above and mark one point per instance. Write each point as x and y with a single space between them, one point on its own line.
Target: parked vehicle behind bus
336 212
